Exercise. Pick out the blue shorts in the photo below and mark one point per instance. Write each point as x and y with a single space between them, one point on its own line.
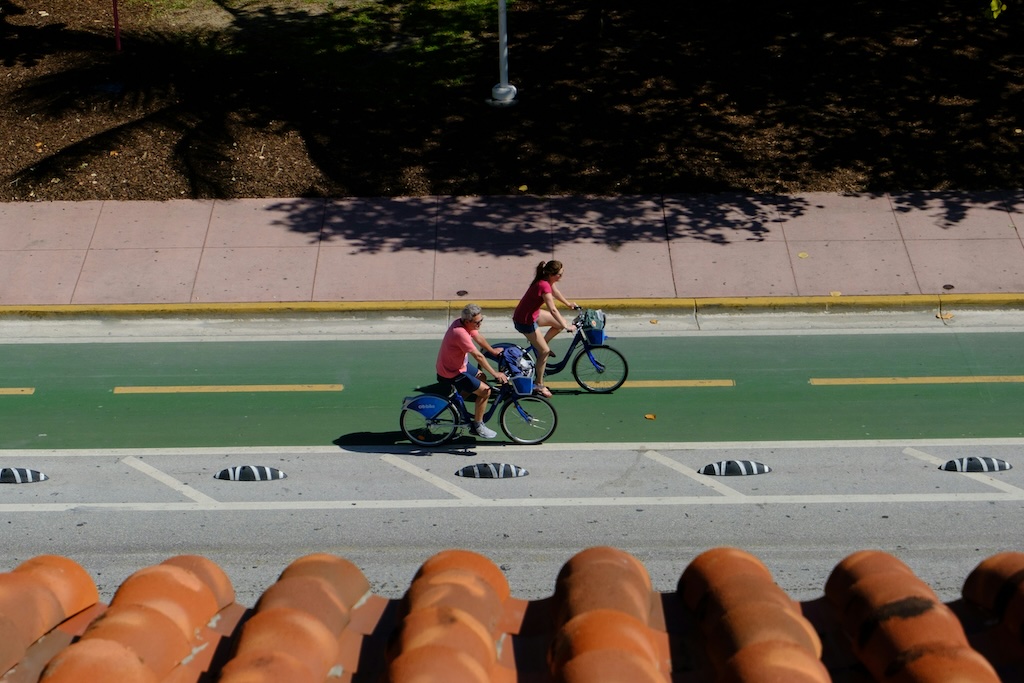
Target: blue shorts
526 328
466 382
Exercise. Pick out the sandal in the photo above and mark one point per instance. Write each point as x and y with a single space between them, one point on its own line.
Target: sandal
542 390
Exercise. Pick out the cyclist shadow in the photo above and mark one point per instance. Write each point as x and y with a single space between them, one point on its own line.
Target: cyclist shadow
397 444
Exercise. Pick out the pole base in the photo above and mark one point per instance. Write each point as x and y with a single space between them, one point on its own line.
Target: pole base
503 95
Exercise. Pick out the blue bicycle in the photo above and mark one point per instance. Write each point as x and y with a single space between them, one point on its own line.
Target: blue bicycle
432 419
598 368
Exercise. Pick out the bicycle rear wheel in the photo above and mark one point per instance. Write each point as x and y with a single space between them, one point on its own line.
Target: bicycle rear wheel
429 431
600 369
528 419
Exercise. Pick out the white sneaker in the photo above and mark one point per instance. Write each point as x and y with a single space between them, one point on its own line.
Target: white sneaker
481 430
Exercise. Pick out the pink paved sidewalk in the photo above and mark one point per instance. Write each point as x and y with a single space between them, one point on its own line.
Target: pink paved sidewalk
433 248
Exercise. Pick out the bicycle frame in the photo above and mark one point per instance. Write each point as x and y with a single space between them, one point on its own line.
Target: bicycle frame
563 362
430 405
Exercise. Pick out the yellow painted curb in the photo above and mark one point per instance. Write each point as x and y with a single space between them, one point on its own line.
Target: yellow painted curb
688 304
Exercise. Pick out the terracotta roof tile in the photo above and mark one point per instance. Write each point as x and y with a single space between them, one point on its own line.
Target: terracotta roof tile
727 622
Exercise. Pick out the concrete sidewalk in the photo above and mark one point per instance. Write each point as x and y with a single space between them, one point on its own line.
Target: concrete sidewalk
426 251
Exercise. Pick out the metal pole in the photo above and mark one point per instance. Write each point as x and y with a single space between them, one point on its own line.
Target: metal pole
504 92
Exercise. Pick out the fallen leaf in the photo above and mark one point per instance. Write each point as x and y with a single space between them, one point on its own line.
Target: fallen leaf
944 316
650 416
803 254
654 322
835 293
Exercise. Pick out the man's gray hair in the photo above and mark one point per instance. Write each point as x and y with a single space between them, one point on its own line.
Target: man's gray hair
471 311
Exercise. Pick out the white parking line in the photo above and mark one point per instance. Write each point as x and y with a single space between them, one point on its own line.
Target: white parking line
476 502
166 479
701 479
437 481
976 476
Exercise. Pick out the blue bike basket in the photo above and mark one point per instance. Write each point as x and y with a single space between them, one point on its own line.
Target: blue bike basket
523 385
595 337
427 406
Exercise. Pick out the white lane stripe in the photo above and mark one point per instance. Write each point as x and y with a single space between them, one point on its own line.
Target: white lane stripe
702 479
430 478
547 446
168 480
476 502
976 476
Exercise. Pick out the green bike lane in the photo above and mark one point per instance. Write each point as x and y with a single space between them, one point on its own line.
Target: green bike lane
63 396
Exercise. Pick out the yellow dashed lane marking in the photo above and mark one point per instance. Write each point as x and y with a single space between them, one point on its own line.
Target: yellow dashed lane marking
965 379
227 388
656 383
17 391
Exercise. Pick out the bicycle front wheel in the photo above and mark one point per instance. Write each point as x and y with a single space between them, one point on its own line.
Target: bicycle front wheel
429 431
528 419
600 369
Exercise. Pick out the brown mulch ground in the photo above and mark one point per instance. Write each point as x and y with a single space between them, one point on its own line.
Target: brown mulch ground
282 98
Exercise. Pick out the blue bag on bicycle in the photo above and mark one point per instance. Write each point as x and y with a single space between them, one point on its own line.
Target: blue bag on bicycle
514 361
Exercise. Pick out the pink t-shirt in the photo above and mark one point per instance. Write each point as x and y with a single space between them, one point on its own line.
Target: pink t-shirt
457 342
529 306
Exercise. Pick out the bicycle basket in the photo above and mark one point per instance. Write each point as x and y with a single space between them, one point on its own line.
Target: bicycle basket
523 385
593 319
593 326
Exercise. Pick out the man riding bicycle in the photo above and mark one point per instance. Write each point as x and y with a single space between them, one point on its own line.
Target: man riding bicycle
453 367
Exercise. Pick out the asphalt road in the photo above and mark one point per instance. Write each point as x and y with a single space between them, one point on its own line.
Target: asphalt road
855 461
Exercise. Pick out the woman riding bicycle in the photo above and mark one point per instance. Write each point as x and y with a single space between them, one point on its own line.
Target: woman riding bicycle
530 316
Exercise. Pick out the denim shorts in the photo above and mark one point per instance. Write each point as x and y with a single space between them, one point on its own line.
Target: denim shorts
466 382
525 328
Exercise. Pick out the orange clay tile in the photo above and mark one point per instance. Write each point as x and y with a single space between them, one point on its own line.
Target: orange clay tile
310 594
895 636
757 622
437 664
458 588
93 661
994 581
28 609
272 666
150 634
347 580
603 578
714 565
893 589
447 627
610 665
172 590
469 561
67 579
294 632
943 665
728 622
601 629
856 566
773 662
210 573
740 588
